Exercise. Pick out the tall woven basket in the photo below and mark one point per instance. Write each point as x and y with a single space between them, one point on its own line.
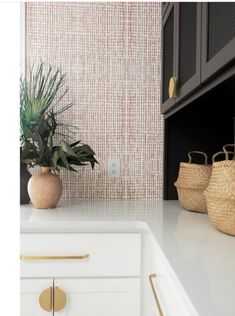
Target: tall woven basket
220 194
192 180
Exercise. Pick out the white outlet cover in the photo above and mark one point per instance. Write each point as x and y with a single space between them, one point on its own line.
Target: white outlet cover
113 168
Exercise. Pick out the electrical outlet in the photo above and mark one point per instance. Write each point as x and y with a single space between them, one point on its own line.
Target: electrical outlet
113 167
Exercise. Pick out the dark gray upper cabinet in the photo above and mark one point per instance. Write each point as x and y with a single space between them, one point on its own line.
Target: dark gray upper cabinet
181 50
168 54
198 47
188 47
218 37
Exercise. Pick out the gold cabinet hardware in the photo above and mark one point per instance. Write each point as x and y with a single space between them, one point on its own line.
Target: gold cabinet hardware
46 300
80 257
172 87
151 277
59 299
52 298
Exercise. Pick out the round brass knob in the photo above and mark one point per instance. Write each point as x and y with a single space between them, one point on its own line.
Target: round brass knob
45 299
172 87
59 299
52 298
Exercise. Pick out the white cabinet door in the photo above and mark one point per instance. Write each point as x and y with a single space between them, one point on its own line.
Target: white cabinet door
30 292
172 299
161 285
100 297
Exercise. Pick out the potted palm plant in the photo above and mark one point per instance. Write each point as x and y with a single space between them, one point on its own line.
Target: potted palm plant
45 140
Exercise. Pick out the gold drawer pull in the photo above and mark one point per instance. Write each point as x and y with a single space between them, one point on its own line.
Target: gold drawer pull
80 257
151 277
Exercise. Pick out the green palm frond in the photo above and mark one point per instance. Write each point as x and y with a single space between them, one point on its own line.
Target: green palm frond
39 94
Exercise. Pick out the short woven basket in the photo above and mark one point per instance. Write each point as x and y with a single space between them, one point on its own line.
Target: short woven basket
220 194
192 180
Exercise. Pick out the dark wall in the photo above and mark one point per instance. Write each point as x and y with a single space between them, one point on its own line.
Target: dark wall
206 125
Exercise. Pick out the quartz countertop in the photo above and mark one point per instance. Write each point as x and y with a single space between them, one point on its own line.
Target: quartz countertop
202 257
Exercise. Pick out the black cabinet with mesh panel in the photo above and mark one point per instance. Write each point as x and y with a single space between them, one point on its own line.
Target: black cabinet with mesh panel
181 52
168 53
188 48
199 53
198 50
218 37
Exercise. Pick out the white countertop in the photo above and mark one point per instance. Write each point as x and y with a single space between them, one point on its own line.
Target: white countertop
202 257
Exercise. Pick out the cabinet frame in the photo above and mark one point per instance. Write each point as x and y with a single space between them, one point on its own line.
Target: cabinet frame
223 57
194 81
171 6
164 7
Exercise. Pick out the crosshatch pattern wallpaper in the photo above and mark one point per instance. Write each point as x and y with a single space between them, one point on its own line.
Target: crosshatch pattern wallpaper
111 54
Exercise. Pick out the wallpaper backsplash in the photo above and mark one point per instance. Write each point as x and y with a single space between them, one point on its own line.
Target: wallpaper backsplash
111 53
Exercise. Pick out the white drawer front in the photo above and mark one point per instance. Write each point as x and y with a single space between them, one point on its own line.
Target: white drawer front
109 254
101 297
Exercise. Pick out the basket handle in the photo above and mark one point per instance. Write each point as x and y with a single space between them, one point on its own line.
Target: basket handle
197 152
227 153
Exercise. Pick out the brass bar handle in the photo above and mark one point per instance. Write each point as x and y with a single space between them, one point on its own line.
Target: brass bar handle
151 277
172 89
80 257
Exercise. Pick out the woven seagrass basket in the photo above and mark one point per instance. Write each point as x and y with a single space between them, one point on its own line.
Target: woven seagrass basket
192 180
220 194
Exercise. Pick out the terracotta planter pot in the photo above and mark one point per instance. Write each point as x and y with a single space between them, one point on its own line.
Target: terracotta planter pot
45 189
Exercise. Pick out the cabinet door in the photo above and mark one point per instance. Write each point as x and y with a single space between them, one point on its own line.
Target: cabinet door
188 39
218 36
169 297
100 297
31 290
168 47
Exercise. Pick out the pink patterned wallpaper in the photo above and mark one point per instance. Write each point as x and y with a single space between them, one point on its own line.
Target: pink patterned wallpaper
111 53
